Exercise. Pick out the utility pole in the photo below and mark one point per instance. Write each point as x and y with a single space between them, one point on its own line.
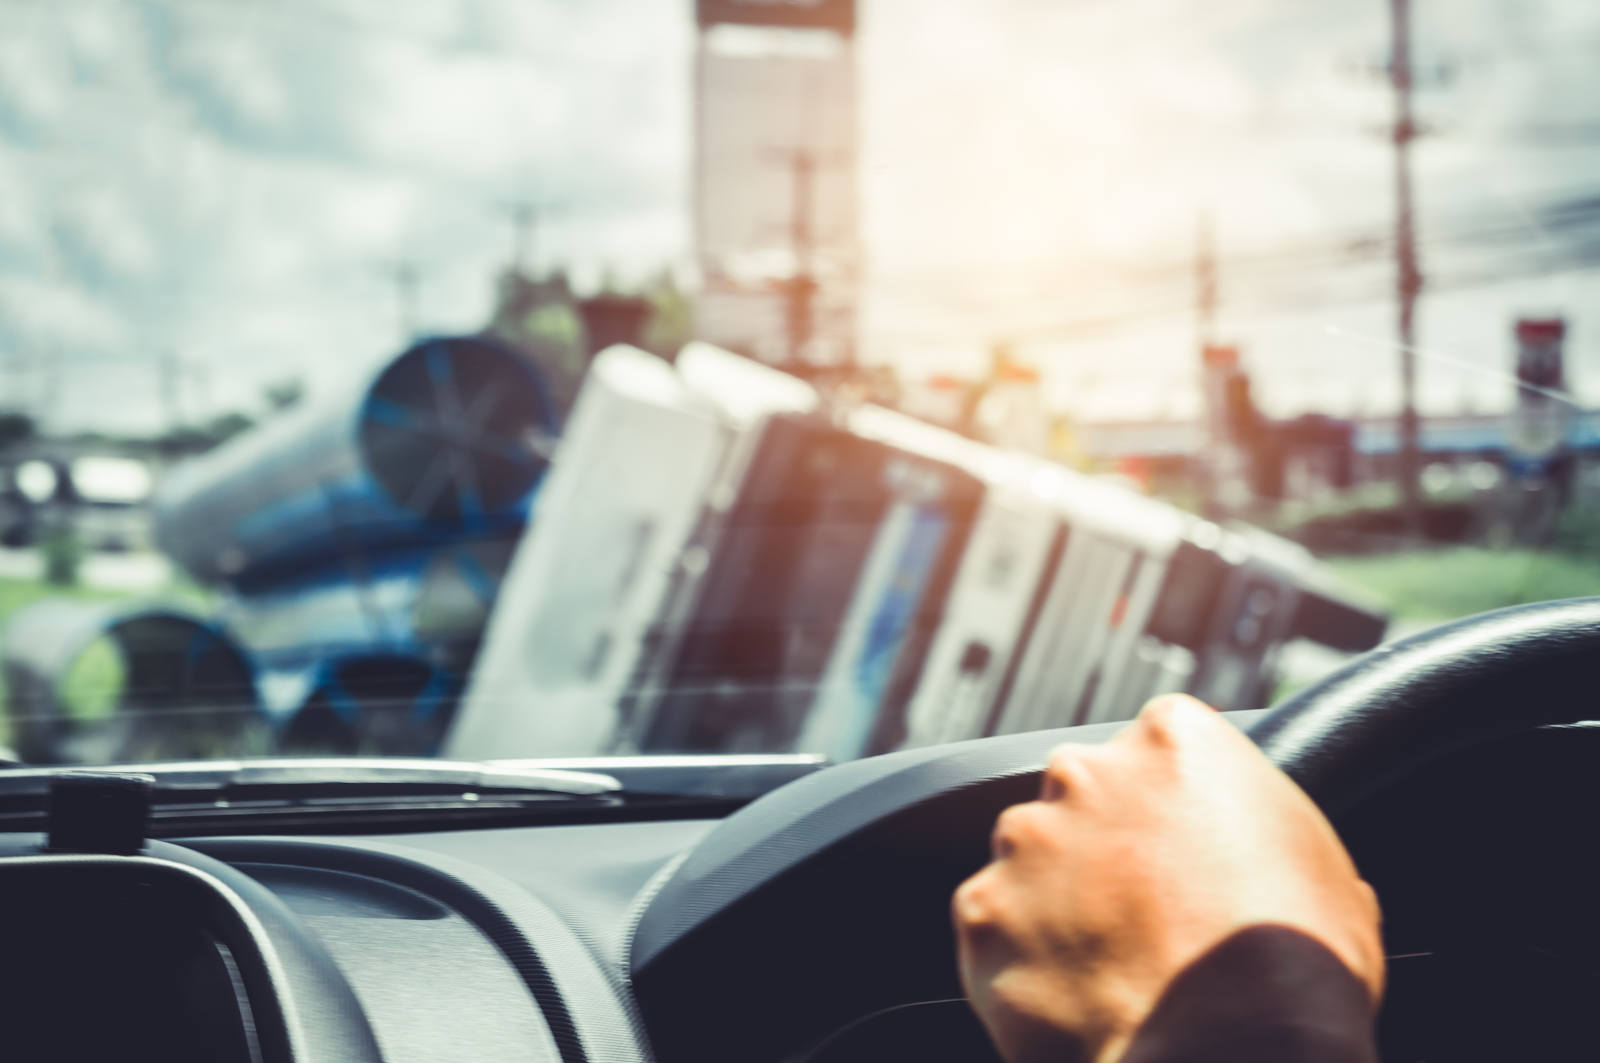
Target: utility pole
170 369
525 215
1408 275
1205 271
802 287
1213 444
200 376
407 284
21 383
52 371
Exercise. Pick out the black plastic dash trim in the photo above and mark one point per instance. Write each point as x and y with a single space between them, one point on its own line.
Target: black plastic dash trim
473 905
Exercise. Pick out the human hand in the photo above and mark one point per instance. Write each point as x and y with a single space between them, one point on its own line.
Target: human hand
1139 856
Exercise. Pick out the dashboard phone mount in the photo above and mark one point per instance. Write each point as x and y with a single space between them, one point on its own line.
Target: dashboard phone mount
99 811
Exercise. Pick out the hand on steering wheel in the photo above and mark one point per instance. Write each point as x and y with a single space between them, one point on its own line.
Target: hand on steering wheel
1139 857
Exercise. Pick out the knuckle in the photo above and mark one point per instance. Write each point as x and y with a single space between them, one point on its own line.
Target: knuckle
1063 771
1020 829
1157 719
1170 719
1014 823
972 906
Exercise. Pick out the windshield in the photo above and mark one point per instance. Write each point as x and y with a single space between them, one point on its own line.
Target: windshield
529 380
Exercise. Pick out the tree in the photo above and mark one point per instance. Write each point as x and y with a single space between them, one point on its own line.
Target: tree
15 428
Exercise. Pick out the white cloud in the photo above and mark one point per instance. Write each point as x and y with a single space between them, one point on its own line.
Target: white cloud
231 186
228 184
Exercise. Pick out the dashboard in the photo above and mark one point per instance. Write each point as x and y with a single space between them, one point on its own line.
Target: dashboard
810 925
480 945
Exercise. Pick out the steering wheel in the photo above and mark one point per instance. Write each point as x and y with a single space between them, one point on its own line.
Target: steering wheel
1449 687
764 939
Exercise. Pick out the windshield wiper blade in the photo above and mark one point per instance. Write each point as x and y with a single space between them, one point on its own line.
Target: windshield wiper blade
330 795
189 781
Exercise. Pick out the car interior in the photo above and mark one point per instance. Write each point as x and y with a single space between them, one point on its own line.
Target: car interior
540 531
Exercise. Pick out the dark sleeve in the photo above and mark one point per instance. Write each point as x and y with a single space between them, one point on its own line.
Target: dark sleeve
1268 994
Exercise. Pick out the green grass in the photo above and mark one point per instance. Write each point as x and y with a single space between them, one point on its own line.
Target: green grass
1458 581
94 681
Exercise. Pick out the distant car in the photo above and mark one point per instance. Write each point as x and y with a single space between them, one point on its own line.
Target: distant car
647 908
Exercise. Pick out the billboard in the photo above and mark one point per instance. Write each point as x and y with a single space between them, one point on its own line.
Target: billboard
775 180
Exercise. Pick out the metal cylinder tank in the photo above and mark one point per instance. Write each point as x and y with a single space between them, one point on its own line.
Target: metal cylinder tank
372 704
322 644
99 682
448 442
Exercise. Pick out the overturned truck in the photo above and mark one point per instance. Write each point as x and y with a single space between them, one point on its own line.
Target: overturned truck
723 563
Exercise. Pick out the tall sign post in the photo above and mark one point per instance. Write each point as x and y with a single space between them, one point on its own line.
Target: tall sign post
1538 456
1542 417
775 181
1215 361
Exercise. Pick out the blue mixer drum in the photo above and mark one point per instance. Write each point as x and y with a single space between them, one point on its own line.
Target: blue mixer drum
449 442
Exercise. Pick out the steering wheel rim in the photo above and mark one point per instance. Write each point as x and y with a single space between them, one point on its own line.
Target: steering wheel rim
1446 688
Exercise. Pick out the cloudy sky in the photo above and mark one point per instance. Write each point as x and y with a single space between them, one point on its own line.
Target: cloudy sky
200 197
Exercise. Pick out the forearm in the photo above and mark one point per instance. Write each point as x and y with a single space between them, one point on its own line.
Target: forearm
1268 994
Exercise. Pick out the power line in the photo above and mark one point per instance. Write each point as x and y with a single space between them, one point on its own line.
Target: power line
1317 276
1309 296
1485 223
